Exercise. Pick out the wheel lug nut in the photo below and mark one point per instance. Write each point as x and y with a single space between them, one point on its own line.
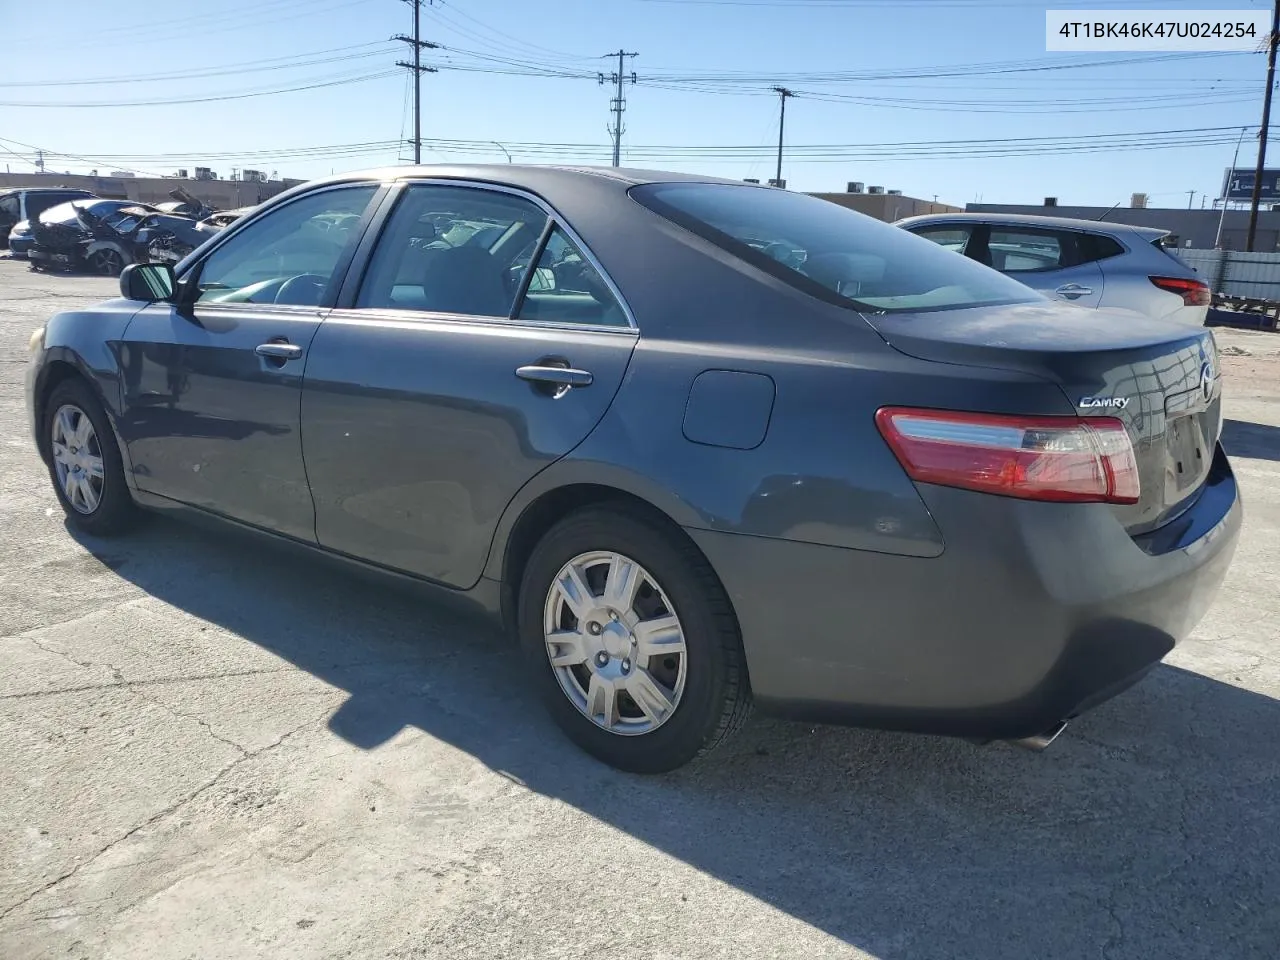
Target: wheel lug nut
626 666
594 628
602 658
613 614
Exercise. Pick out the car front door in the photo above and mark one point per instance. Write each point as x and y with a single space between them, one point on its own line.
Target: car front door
212 383
482 345
1055 262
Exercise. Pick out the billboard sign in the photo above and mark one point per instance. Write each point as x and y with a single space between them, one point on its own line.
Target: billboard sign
1238 185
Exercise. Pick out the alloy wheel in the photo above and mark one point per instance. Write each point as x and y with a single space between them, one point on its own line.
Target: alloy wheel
615 643
107 263
77 458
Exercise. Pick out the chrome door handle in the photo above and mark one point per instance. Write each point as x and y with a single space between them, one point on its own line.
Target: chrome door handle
1073 291
556 376
278 351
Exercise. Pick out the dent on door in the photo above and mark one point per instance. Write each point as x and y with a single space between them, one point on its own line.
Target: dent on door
210 421
418 432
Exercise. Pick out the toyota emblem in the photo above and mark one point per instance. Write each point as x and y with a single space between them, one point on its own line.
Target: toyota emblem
1206 381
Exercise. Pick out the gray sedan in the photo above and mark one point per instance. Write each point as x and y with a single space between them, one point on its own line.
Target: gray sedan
699 444
1087 262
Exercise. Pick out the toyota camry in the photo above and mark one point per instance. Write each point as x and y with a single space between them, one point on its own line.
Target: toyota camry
699 444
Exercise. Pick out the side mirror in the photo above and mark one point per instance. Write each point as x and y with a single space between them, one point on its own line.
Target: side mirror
148 282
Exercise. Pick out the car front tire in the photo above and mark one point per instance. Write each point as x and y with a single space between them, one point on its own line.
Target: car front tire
632 640
84 461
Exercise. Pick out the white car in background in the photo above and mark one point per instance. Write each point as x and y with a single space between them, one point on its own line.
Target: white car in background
1087 262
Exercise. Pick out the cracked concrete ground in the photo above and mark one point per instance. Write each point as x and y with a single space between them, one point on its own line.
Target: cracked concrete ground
214 750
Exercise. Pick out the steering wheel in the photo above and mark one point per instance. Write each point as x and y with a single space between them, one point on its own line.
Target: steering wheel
304 290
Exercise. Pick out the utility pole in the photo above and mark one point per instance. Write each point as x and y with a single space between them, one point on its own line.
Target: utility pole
619 103
783 93
40 160
418 69
1266 121
1191 198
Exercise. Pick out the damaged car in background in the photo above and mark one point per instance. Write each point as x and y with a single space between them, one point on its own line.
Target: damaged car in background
105 236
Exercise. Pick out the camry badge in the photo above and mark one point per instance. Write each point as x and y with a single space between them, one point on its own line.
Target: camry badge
1118 403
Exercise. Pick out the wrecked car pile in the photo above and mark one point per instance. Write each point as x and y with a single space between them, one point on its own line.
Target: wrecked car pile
105 236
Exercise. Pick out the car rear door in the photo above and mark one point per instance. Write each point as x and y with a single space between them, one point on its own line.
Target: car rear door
1055 262
212 386
481 345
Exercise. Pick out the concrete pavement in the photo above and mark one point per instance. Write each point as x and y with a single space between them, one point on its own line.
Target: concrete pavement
212 749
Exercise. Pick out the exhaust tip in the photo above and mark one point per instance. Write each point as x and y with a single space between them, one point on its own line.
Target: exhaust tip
1040 741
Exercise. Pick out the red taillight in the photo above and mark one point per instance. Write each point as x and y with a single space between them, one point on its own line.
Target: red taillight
1194 293
1065 459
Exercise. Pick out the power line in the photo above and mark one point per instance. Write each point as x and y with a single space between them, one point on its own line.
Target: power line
251 66
212 98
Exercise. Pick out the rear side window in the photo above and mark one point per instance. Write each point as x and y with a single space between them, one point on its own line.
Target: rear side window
9 209
566 288
829 251
1094 246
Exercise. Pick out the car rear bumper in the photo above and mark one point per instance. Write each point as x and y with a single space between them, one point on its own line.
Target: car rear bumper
20 247
1033 613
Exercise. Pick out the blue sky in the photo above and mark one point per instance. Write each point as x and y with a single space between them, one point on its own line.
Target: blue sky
520 73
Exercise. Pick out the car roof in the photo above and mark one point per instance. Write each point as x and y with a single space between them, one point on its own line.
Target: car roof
1035 220
76 190
527 176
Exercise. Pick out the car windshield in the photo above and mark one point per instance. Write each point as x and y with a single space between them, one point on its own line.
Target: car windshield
829 251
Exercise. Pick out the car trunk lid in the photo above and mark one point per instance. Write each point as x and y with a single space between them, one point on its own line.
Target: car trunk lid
1160 380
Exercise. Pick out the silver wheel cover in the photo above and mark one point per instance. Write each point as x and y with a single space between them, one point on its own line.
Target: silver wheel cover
615 643
77 458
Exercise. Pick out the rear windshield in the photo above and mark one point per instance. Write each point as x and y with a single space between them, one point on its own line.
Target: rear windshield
829 251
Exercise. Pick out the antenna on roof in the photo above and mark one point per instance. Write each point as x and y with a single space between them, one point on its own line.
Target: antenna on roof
1109 209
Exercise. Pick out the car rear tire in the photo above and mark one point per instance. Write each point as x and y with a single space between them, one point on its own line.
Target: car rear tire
84 462
632 641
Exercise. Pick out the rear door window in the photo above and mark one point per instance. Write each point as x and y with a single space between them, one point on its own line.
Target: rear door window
1018 250
456 250
833 253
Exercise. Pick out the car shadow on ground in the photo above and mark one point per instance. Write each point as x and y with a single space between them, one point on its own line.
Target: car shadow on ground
1242 438
1147 830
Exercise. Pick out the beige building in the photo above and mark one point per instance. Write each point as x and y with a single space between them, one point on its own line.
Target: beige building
219 194
885 206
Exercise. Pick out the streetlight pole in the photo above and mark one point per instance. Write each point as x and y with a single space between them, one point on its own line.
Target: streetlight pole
502 148
1217 243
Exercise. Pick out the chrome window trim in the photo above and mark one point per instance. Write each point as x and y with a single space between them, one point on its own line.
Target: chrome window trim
392 315
552 214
